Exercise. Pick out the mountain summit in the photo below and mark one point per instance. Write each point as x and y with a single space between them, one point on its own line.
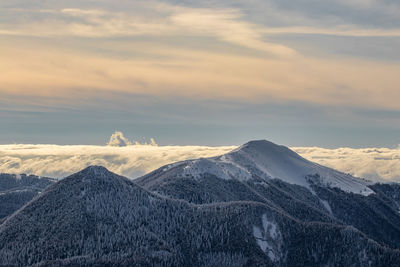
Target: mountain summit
270 160
266 160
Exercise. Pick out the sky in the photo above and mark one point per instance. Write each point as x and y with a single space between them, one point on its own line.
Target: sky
303 73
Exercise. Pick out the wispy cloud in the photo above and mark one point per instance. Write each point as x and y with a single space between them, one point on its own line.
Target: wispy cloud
228 26
224 25
168 70
345 30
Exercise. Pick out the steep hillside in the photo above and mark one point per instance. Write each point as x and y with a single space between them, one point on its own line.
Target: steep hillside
264 172
97 217
17 190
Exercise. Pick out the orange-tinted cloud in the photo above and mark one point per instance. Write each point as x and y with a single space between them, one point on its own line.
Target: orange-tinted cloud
159 70
68 54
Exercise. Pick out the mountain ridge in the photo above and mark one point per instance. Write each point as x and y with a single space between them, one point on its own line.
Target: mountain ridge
118 222
267 160
177 217
206 181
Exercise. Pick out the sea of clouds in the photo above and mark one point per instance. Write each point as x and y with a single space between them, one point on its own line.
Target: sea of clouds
375 164
133 159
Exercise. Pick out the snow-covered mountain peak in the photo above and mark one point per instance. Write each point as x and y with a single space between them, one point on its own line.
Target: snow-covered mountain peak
266 160
265 147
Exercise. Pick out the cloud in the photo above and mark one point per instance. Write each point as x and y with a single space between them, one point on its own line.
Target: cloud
224 24
233 23
376 164
118 139
157 70
361 13
221 55
370 163
218 53
131 161
348 30
228 26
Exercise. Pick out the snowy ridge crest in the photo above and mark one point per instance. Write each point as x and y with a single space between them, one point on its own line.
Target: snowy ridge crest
267 160
220 167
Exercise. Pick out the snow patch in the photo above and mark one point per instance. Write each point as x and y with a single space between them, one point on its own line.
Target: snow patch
268 238
170 166
222 169
327 206
326 177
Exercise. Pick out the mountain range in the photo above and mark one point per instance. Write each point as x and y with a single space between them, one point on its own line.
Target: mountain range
259 205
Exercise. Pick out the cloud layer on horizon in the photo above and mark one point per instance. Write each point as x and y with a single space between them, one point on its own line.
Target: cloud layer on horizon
135 160
371 163
131 161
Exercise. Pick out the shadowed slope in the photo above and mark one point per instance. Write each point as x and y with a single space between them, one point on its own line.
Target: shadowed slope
97 217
